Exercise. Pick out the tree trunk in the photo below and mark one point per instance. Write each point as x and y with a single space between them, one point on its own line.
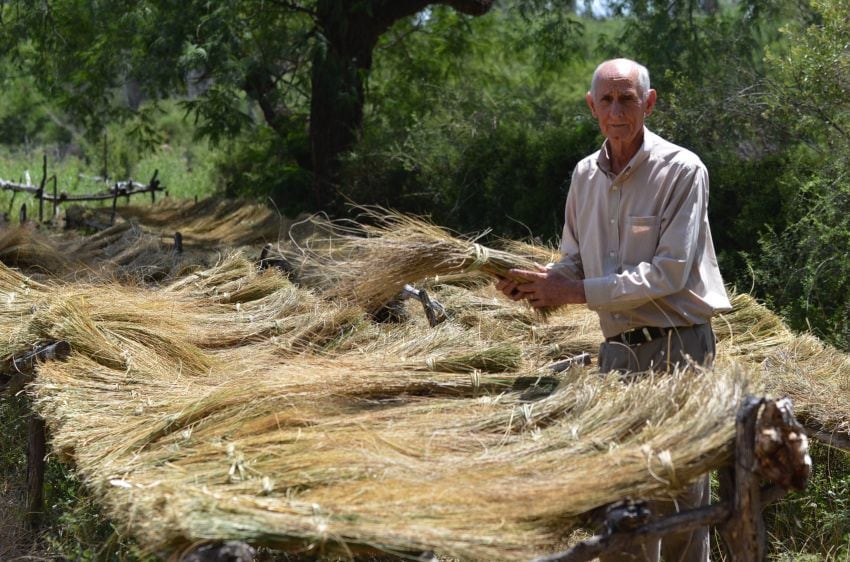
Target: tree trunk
348 33
336 104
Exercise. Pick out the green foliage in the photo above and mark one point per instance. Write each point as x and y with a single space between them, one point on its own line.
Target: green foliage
486 138
84 53
76 528
262 164
815 522
802 262
24 118
805 269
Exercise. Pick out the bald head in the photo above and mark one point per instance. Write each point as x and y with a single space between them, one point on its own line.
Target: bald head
624 68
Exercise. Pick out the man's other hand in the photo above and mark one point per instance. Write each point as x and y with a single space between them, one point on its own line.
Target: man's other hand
542 288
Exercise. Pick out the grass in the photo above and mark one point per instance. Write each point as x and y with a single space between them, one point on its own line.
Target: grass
815 525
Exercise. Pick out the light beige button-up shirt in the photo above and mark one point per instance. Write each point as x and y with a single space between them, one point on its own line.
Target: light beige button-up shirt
640 240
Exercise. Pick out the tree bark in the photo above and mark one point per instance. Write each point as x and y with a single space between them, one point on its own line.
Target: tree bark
347 35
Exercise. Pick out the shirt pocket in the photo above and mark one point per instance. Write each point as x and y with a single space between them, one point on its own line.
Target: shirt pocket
640 240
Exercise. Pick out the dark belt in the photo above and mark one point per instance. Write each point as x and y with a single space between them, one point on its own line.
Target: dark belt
640 335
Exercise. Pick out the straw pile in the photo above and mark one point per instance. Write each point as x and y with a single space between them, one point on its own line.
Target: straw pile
369 264
228 403
210 222
335 453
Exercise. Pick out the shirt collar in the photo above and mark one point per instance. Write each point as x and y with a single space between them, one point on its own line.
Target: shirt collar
603 160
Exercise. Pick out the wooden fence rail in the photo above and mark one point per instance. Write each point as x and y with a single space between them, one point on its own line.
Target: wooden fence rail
125 188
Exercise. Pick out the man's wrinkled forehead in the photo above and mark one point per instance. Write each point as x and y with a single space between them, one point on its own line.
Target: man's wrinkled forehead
620 75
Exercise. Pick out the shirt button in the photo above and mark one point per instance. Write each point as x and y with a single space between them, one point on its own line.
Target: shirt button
613 221
615 188
612 254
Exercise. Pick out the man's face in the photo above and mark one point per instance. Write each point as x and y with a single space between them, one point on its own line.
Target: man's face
618 105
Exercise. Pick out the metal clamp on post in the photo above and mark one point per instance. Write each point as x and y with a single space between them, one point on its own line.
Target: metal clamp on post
434 311
19 370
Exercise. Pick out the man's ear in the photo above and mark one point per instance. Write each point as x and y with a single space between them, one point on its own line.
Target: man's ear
589 99
651 97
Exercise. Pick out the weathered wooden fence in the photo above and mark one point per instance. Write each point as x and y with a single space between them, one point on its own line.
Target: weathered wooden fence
125 188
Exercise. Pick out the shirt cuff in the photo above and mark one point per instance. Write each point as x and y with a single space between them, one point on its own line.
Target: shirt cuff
598 290
567 269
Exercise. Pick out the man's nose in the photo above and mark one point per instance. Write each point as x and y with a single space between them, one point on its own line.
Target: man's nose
616 108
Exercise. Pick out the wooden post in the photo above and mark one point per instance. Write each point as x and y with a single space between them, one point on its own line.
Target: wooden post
114 206
744 532
768 442
178 243
55 197
105 156
36 449
41 190
154 185
22 368
22 214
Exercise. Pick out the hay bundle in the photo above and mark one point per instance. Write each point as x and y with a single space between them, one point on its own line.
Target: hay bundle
370 265
498 358
233 405
211 222
315 460
127 329
816 377
749 331
25 248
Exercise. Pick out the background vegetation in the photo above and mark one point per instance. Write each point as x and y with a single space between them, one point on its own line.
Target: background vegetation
474 118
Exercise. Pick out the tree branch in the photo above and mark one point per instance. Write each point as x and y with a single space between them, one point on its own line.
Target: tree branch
469 7
294 7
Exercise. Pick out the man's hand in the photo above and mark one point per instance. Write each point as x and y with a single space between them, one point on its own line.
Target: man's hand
542 288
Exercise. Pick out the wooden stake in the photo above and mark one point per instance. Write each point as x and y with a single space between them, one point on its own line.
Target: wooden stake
36 449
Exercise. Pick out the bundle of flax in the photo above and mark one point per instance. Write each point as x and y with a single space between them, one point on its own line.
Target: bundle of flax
749 331
24 247
189 421
370 264
817 378
214 221
339 456
814 375
231 404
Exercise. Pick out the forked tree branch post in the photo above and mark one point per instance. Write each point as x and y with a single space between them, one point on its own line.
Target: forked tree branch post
769 444
15 374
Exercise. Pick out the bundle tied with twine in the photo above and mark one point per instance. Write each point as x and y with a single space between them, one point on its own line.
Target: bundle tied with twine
338 455
369 264
233 405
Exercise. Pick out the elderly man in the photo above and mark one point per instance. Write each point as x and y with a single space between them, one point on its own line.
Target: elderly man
637 249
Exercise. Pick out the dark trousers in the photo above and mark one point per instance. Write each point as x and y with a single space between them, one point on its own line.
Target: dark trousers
662 353
677 347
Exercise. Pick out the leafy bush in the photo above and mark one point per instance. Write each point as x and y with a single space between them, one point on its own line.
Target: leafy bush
263 164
